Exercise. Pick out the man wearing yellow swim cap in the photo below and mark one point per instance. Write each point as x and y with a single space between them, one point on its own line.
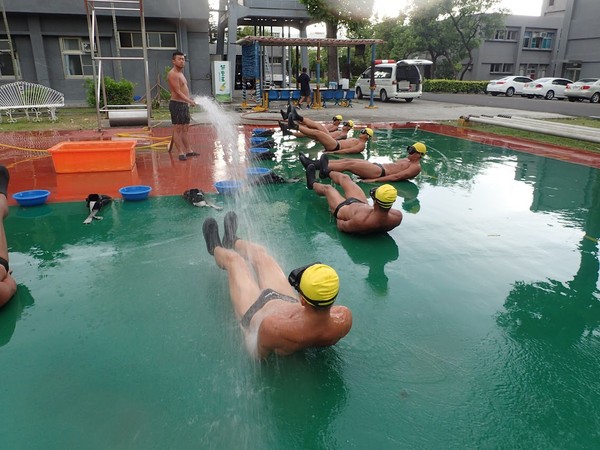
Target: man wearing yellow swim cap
402 169
352 211
331 144
278 314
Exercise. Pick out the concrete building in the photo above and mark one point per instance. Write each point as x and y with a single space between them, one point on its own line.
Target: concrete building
564 41
51 46
269 18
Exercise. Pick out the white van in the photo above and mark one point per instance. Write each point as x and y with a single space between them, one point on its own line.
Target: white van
393 79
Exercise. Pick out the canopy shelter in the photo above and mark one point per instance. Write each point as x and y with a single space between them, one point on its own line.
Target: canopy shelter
252 61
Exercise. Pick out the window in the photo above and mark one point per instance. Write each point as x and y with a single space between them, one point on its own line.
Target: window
550 2
533 71
383 73
538 39
77 58
158 40
7 68
501 68
505 35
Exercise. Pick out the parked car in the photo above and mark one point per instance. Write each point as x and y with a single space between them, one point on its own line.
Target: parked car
508 86
393 80
584 89
547 88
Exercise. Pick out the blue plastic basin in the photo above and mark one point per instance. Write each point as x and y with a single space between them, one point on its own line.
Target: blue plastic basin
135 193
228 186
32 198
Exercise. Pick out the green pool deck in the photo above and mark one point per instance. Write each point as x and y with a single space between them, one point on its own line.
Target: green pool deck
476 322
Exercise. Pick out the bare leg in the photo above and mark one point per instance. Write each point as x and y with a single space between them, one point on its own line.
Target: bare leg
268 271
243 288
351 189
184 139
178 132
362 168
8 285
322 137
314 125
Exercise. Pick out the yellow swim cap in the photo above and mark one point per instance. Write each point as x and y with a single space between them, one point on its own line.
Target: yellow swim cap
385 195
319 285
367 131
349 123
420 147
338 117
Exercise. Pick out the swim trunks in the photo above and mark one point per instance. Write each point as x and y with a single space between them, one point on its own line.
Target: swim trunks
265 297
382 170
4 263
348 201
180 112
337 146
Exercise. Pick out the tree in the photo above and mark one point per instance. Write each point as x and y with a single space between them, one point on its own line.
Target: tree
457 25
336 13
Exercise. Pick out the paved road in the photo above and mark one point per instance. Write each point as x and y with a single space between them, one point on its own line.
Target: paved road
564 107
432 107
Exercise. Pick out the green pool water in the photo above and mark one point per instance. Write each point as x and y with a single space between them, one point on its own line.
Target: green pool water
476 322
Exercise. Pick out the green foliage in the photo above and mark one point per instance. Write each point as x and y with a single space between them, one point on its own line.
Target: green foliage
455 86
117 92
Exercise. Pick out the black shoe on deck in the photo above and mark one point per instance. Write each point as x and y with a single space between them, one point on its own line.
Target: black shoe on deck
306 161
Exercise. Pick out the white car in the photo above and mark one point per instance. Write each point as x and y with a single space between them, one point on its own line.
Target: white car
584 89
508 86
547 88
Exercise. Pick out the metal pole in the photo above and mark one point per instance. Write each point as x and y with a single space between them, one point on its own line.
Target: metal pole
372 83
145 54
10 44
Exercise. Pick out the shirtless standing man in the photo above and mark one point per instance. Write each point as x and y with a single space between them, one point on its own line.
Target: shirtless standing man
179 106
352 212
403 169
8 285
277 314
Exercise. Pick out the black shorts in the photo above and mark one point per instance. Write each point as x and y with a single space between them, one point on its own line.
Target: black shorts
305 92
382 174
265 297
348 201
180 112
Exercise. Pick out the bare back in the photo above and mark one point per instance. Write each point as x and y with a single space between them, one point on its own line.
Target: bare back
284 328
360 218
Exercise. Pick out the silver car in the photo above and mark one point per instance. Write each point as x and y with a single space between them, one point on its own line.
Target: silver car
584 89
508 86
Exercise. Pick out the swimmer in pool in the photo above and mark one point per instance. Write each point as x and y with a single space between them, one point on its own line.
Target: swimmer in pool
352 212
278 314
8 285
331 144
401 169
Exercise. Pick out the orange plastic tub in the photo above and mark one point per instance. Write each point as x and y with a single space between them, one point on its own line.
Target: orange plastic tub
93 156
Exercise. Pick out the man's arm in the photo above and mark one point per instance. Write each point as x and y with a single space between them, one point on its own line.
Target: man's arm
8 288
354 148
406 174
